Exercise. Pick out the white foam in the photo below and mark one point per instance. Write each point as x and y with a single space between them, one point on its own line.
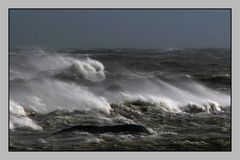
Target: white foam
163 102
23 122
16 109
46 94
18 117
90 69
87 68
50 95
40 61
189 97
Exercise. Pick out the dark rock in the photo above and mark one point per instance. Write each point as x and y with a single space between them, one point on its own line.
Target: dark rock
125 129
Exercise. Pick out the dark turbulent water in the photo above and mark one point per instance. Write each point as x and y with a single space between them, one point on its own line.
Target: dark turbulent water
182 97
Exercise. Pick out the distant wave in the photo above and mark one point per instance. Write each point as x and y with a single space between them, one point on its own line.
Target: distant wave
88 69
46 64
224 78
171 105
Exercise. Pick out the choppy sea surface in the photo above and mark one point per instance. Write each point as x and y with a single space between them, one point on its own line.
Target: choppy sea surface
181 96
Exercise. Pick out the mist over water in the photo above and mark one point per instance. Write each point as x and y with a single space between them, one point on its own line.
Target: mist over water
50 90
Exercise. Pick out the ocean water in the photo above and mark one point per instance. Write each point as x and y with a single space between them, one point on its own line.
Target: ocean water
181 96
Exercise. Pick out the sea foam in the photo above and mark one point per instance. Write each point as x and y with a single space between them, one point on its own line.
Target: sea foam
19 118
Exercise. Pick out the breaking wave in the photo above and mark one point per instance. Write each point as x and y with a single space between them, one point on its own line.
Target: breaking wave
45 82
19 118
53 64
171 105
49 95
182 105
88 69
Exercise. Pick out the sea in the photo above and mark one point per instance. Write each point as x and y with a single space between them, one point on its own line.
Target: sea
181 96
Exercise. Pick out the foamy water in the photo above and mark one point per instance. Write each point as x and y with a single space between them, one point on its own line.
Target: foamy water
50 90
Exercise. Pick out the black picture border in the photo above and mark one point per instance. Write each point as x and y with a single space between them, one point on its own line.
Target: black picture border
114 9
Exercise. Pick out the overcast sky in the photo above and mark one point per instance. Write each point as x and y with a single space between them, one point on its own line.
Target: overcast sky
119 28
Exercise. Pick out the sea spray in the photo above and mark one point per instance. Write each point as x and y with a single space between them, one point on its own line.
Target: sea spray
49 95
67 89
19 118
50 64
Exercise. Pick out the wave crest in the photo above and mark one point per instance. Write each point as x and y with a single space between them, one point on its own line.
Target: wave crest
19 118
171 105
89 69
